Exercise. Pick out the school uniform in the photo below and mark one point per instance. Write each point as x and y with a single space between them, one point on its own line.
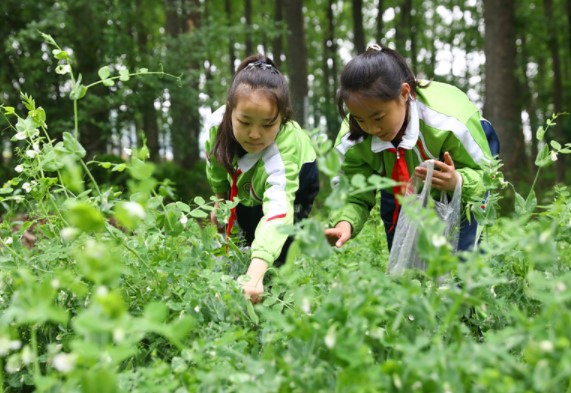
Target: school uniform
276 187
441 119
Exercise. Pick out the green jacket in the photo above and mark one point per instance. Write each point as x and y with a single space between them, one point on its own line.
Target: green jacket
440 119
269 178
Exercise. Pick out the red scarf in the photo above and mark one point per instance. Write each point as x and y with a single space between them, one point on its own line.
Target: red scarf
401 175
233 194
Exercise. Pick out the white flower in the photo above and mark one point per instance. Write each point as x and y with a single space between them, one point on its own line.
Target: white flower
411 317
553 155
13 365
55 283
197 309
102 291
69 233
7 345
19 168
330 337
438 240
128 151
183 220
544 236
305 305
546 346
118 334
27 187
560 286
8 241
64 362
36 147
20 135
135 209
27 355
31 153
493 291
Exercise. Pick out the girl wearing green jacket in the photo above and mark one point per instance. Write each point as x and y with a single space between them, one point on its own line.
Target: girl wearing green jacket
258 154
394 122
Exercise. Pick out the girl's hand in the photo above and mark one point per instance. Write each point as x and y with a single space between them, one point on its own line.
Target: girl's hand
254 287
340 234
445 177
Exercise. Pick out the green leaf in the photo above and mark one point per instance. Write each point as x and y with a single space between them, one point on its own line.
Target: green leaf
84 216
104 73
543 157
70 145
124 74
48 38
540 134
198 214
60 54
9 110
139 169
556 145
252 313
199 200
78 92
143 70
108 82
119 167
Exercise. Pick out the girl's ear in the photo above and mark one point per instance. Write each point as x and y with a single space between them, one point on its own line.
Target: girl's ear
405 92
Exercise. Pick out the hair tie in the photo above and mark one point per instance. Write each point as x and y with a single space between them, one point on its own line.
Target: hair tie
261 65
374 47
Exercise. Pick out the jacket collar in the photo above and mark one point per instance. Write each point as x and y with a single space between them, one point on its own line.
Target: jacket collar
410 136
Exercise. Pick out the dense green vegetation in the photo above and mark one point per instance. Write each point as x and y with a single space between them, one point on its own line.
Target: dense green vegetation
124 287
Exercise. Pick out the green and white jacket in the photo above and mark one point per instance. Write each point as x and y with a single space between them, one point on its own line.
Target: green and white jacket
269 178
440 119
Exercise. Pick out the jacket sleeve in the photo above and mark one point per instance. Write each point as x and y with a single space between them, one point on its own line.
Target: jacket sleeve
467 155
281 185
357 207
215 173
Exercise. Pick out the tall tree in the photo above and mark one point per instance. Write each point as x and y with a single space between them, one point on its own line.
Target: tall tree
358 31
249 28
500 104
557 86
277 44
229 21
380 23
183 20
330 74
296 57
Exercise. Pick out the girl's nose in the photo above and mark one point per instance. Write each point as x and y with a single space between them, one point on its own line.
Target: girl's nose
255 133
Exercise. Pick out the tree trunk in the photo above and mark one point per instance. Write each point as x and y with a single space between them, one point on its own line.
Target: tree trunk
500 104
297 59
557 83
330 75
380 23
229 19
403 27
185 127
277 49
358 32
248 16
147 104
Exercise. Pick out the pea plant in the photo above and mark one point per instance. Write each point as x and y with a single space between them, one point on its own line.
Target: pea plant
109 289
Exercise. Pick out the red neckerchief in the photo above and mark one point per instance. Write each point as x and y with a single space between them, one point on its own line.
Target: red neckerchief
401 175
233 194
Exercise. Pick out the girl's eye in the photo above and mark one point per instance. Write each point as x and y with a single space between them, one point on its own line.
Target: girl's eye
378 119
269 125
243 123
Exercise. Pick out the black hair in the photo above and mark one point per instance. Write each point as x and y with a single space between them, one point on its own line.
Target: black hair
258 73
377 73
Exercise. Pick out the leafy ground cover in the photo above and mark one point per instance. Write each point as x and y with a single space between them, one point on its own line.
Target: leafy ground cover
122 290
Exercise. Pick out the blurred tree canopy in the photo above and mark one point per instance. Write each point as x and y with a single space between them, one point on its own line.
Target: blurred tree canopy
512 57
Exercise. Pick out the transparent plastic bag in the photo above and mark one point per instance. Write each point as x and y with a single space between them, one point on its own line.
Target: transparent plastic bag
403 252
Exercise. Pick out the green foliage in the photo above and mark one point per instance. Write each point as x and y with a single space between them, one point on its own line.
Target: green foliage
108 288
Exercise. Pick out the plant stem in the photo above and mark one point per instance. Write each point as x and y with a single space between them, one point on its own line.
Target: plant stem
37 372
84 165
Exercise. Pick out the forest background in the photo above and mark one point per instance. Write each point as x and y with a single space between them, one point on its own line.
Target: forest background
512 57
